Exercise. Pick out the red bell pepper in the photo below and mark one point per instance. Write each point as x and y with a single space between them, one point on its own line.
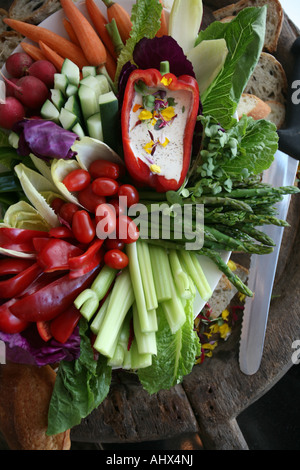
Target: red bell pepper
55 254
8 322
160 111
51 300
14 286
63 325
19 239
14 265
85 262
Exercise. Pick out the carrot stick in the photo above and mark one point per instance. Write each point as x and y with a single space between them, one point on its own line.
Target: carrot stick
111 65
33 51
163 30
99 22
52 56
70 31
116 11
60 45
89 40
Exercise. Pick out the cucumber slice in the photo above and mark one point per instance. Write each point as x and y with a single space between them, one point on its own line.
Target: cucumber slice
78 129
67 119
92 83
88 70
94 126
109 111
50 112
71 71
104 84
88 101
60 82
71 90
57 98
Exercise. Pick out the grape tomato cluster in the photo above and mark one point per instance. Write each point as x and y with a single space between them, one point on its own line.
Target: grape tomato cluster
105 199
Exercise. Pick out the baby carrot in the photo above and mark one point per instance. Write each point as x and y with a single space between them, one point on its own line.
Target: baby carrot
89 40
122 17
33 51
52 56
70 31
99 22
163 30
60 45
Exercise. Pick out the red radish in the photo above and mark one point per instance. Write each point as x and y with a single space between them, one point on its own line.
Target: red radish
18 64
9 89
11 112
44 70
31 91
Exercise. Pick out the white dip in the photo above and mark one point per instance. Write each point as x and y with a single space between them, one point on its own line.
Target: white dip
166 159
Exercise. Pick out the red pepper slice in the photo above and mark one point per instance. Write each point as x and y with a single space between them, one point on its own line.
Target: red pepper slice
55 254
90 259
52 299
143 173
63 325
44 331
14 286
8 322
14 265
19 239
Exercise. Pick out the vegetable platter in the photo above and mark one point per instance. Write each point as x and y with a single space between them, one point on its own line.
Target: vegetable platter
83 285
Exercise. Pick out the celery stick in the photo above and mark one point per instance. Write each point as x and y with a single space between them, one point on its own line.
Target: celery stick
146 342
103 281
139 361
187 260
137 285
201 276
161 272
147 275
87 302
122 343
118 357
122 298
174 311
153 320
179 275
97 321
127 360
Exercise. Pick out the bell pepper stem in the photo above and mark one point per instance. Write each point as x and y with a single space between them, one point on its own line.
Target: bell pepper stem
164 67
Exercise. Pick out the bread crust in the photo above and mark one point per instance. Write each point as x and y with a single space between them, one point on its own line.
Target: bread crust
25 393
253 107
33 11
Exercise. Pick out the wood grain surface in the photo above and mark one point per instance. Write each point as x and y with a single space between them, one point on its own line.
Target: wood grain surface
216 392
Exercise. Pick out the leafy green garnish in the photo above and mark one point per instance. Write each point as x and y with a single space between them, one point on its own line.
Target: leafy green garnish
145 18
244 37
80 387
176 353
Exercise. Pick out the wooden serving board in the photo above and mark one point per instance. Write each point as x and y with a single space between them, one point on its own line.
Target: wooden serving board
216 392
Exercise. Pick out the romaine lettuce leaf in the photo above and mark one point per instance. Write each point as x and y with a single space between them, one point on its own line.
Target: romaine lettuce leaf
244 37
176 353
80 386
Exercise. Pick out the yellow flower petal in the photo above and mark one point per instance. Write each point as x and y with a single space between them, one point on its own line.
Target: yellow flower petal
168 113
225 331
210 346
165 142
155 169
225 314
148 147
144 115
232 265
136 107
166 81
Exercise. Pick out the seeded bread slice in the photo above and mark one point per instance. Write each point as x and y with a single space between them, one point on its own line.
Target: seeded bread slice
3 26
33 11
268 81
9 40
274 18
253 107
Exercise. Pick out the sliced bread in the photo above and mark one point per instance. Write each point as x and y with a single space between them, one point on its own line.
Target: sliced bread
268 81
274 18
9 40
33 11
253 107
3 26
277 114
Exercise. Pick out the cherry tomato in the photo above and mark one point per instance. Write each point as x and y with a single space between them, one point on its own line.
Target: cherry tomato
114 244
104 168
43 328
89 199
116 259
57 203
105 218
67 211
120 209
77 180
83 227
105 186
130 193
126 230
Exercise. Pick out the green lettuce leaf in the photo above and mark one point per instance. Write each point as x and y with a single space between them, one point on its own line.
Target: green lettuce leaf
145 18
176 354
80 387
244 39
